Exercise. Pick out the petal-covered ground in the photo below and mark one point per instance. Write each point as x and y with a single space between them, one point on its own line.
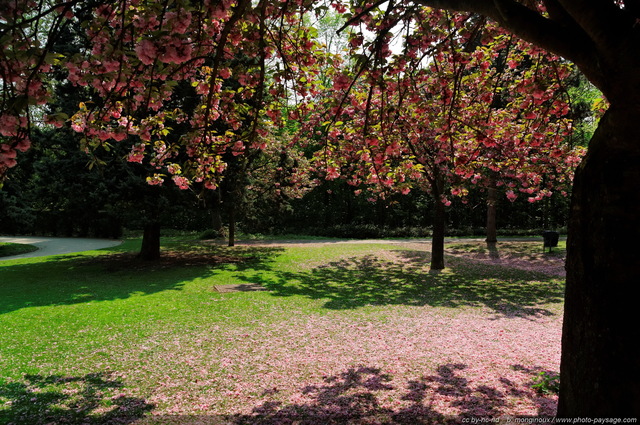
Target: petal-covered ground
372 337
403 364
410 366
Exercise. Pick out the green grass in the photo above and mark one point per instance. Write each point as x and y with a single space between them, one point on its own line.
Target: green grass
83 335
523 249
8 249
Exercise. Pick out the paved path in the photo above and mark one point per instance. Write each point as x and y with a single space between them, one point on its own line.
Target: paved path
56 246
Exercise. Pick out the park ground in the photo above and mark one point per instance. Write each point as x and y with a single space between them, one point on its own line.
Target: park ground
281 333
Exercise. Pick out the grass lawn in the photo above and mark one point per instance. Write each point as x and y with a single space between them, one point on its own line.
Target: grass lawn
344 333
7 249
518 248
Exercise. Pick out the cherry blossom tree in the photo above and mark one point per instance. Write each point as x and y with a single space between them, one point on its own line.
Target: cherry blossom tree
470 106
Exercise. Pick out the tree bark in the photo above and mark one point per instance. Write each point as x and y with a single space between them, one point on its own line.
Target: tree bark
492 199
439 218
232 224
328 210
600 366
216 212
150 249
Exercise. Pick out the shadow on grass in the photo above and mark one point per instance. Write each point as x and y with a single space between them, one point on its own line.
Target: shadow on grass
91 399
357 396
369 280
529 251
73 279
9 249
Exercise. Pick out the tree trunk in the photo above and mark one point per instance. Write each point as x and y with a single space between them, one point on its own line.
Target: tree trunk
216 212
328 210
439 217
492 199
232 224
600 366
150 249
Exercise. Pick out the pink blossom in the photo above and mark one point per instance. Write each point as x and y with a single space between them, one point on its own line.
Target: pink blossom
111 65
146 51
175 52
136 154
333 173
341 82
7 161
118 136
23 144
224 73
78 125
181 182
8 125
339 7
538 94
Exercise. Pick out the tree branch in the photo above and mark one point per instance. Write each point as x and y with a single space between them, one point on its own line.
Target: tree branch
600 19
357 17
560 36
557 13
526 23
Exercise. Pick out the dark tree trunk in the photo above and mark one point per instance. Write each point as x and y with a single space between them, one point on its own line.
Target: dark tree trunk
439 217
232 224
600 367
328 210
492 199
350 210
150 249
216 212
381 213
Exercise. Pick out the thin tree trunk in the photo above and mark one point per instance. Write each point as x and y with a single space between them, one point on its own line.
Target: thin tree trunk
439 217
600 366
328 210
216 212
150 249
232 224
492 199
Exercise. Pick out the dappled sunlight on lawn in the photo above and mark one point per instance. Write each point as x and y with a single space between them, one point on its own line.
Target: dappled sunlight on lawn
76 279
370 280
359 395
361 336
58 399
405 364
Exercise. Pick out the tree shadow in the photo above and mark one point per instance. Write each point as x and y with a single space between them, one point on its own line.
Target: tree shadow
523 250
492 248
369 280
95 398
357 396
72 279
